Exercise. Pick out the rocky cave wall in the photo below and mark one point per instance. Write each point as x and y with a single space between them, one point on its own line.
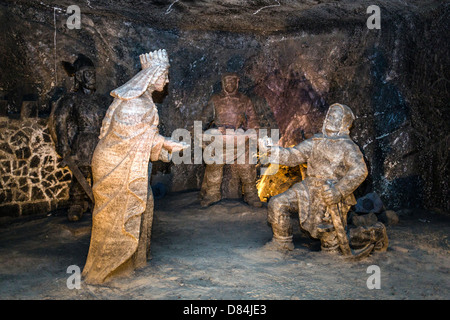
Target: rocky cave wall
292 67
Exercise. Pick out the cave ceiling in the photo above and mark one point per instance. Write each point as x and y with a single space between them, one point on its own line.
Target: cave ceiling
255 16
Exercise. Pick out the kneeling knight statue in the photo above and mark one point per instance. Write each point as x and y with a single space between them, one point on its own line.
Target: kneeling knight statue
335 168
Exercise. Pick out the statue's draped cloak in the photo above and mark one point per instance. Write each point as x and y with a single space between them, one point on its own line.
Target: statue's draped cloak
120 173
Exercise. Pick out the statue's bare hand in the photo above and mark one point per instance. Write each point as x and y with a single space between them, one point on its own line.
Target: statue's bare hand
265 149
330 195
265 142
175 146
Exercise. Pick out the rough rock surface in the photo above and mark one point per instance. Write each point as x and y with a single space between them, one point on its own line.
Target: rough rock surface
294 59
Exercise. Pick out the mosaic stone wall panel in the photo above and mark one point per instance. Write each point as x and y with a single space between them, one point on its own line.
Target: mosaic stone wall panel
31 180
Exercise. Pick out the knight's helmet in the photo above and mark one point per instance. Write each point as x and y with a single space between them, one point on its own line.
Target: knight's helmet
82 63
346 120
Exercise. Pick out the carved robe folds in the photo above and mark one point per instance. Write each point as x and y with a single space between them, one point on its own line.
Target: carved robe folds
129 139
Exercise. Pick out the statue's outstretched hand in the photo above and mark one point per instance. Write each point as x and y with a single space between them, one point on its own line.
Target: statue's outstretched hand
175 146
265 142
265 147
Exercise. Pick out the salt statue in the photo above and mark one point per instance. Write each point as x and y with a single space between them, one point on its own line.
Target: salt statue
129 140
75 125
335 168
230 110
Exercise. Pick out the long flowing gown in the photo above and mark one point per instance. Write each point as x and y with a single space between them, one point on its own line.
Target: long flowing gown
123 212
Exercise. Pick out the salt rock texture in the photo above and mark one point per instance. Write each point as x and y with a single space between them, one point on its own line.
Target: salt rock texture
295 59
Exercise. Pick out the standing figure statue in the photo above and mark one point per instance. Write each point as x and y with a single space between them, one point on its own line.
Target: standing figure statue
75 125
335 168
129 140
229 109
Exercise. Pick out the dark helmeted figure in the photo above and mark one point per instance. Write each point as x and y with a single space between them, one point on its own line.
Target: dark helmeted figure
76 123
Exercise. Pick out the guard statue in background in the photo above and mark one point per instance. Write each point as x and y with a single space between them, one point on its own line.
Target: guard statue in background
75 124
335 168
229 109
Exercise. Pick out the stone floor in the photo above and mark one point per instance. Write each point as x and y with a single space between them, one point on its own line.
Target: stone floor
218 253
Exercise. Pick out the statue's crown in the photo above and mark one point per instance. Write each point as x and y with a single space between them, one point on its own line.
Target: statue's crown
157 57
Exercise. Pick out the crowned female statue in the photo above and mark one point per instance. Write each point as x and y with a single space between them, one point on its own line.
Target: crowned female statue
129 140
